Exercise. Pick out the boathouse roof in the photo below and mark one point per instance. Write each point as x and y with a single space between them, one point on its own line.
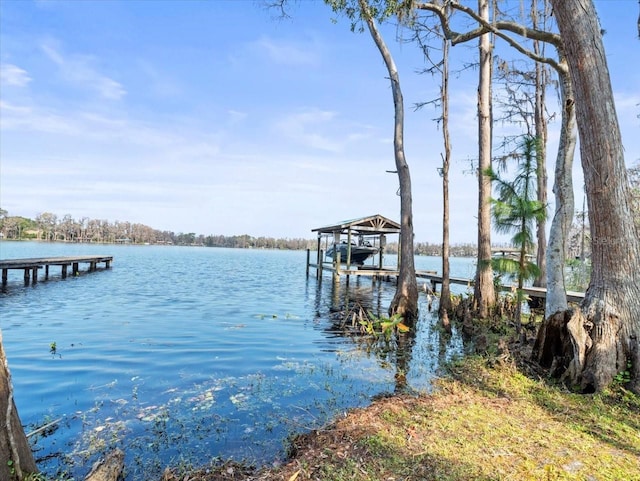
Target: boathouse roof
373 224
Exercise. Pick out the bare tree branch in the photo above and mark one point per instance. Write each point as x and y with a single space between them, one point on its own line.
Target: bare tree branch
497 29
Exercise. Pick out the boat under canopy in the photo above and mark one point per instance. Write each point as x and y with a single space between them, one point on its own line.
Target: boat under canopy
370 233
358 254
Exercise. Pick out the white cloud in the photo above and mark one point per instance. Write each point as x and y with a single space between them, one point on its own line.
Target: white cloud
284 53
17 117
306 127
329 131
79 71
236 116
13 75
160 83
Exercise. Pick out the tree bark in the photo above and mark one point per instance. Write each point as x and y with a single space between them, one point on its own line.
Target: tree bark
445 292
16 458
541 134
612 302
405 300
484 292
556 300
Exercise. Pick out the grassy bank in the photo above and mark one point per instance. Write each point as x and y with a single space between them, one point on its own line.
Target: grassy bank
487 420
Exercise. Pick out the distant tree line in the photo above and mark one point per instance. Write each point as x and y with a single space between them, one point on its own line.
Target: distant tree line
49 227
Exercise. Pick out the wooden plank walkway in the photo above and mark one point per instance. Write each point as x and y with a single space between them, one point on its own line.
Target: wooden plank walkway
31 266
531 291
432 277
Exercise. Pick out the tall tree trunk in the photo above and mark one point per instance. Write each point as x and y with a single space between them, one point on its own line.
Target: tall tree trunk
541 134
16 459
484 292
611 307
556 300
405 300
445 292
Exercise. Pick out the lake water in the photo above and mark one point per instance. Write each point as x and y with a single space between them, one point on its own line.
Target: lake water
179 355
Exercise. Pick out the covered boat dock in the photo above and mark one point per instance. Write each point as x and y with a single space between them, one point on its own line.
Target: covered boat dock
375 229
372 231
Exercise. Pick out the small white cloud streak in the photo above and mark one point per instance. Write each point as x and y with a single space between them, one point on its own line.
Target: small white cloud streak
12 75
305 128
88 126
160 83
17 117
236 116
77 69
284 53
298 126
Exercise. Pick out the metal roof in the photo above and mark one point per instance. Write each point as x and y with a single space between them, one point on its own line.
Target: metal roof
373 224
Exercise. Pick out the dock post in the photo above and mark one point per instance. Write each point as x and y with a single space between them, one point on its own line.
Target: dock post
336 265
320 264
34 275
64 271
107 264
318 250
46 272
5 277
75 269
308 260
27 276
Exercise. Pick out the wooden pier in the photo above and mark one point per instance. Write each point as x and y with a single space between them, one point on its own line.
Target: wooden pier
32 265
432 277
539 292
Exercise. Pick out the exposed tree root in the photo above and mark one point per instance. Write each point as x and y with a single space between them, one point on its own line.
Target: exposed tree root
587 349
562 344
406 305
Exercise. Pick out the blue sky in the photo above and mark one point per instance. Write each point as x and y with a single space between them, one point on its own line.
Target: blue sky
218 118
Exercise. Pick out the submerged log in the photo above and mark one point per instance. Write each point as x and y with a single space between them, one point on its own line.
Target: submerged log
108 469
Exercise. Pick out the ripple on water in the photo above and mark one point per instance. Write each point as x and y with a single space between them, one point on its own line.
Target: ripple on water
190 353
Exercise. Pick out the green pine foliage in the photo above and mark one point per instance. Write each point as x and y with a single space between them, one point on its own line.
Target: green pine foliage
516 211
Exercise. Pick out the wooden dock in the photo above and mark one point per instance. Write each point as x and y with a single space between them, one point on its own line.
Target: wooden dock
540 292
32 265
431 276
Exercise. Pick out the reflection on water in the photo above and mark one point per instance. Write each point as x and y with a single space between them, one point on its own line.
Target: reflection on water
182 354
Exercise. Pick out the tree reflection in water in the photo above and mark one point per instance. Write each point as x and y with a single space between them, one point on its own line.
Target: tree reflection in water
355 312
